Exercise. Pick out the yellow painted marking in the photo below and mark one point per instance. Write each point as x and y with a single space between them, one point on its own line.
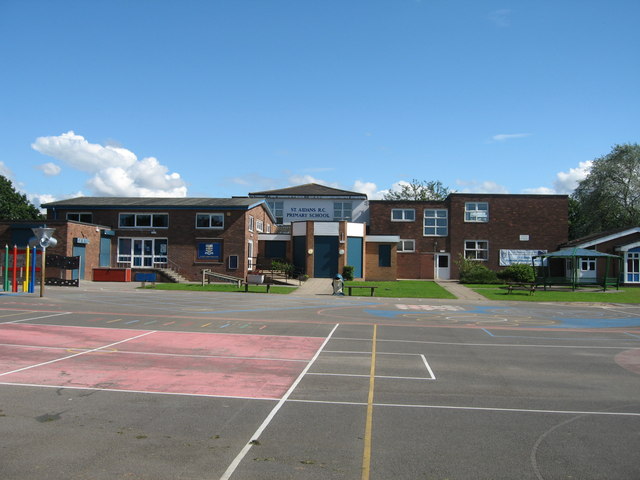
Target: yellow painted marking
115 320
205 325
366 456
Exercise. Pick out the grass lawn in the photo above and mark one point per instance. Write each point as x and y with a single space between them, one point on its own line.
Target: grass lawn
499 292
196 287
403 289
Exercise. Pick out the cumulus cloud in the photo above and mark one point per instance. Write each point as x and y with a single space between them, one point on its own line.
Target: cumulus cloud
473 186
50 169
5 171
565 182
503 137
116 171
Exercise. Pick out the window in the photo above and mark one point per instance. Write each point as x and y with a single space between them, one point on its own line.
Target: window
250 223
80 217
476 212
476 249
384 255
233 262
210 220
142 252
436 223
403 215
342 211
250 259
277 208
405 246
268 228
144 220
259 226
588 264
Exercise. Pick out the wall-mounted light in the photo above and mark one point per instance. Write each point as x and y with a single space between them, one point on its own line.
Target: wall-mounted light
153 232
341 251
310 251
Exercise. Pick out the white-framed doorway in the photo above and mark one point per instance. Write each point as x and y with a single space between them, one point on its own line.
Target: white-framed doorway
442 266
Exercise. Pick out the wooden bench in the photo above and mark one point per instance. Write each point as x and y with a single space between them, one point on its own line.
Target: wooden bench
246 286
372 288
531 287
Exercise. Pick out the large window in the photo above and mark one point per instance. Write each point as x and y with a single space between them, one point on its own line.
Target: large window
633 267
403 215
277 208
476 212
142 252
80 217
436 223
210 220
144 220
342 211
405 246
476 249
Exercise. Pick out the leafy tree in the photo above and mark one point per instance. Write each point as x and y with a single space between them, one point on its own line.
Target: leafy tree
14 205
419 190
609 197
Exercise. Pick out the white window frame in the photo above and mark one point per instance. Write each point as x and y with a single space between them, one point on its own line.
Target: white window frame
340 212
259 226
476 249
587 264
403 214
474 214
210 216
407 245
442 220
251 223
136 215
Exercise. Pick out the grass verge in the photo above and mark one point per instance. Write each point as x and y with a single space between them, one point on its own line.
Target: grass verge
196 287
499 292
403 289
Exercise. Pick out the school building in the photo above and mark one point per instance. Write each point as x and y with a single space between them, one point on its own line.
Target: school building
316 228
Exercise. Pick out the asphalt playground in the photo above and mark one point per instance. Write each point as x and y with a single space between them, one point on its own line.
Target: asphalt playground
108 381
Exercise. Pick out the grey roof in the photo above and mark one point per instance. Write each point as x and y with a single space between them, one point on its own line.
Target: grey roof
141 202
308 190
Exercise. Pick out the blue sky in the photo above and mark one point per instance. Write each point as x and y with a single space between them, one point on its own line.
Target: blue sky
224 97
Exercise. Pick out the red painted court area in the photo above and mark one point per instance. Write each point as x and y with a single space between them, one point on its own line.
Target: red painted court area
252 366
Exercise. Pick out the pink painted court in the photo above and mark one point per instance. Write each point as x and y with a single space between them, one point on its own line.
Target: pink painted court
207 364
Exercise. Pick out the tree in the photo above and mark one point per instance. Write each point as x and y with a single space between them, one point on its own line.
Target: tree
419 190
609 197
14 205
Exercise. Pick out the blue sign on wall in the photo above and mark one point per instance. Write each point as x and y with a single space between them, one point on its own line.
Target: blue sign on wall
210 251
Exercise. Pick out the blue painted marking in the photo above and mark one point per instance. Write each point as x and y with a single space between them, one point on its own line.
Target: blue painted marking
132 321
632 335
488 332
289 308
225 325
389 313
550 338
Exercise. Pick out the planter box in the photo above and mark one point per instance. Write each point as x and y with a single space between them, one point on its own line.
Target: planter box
111 274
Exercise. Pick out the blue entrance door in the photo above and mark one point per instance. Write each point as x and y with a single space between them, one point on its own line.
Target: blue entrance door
354 255
79 251
325 263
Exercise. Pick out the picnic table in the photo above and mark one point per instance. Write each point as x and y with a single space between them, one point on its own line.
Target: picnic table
531 287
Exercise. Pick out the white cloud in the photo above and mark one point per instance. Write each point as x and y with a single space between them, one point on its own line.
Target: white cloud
116 170
368 188
566 182
50 169
5 171
540 191
473 186
503 137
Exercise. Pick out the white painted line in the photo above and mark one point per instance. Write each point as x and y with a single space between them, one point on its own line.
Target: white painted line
236 461
75 354
426 364
320 374
38 318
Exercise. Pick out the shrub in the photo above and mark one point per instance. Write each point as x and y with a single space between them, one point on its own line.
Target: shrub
347 273
472 271
518 272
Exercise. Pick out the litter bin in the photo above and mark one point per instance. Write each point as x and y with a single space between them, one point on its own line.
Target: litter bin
338 284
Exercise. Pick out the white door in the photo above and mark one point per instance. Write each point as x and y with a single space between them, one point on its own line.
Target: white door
443 269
